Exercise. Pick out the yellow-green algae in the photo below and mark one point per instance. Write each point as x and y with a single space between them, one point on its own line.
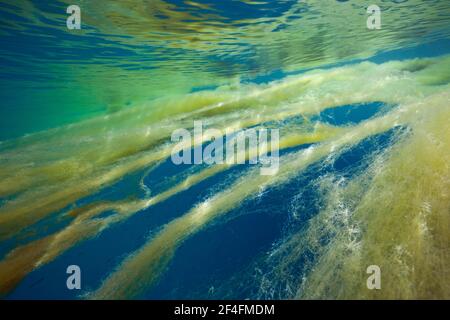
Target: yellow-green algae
401 210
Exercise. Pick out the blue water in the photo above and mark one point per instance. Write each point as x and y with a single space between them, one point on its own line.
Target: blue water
137 55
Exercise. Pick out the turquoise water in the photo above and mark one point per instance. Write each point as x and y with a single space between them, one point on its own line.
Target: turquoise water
86 176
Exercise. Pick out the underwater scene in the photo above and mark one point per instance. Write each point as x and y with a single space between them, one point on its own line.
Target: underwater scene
123 174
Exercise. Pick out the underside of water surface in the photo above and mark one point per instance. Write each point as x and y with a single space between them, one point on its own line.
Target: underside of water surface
87 179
